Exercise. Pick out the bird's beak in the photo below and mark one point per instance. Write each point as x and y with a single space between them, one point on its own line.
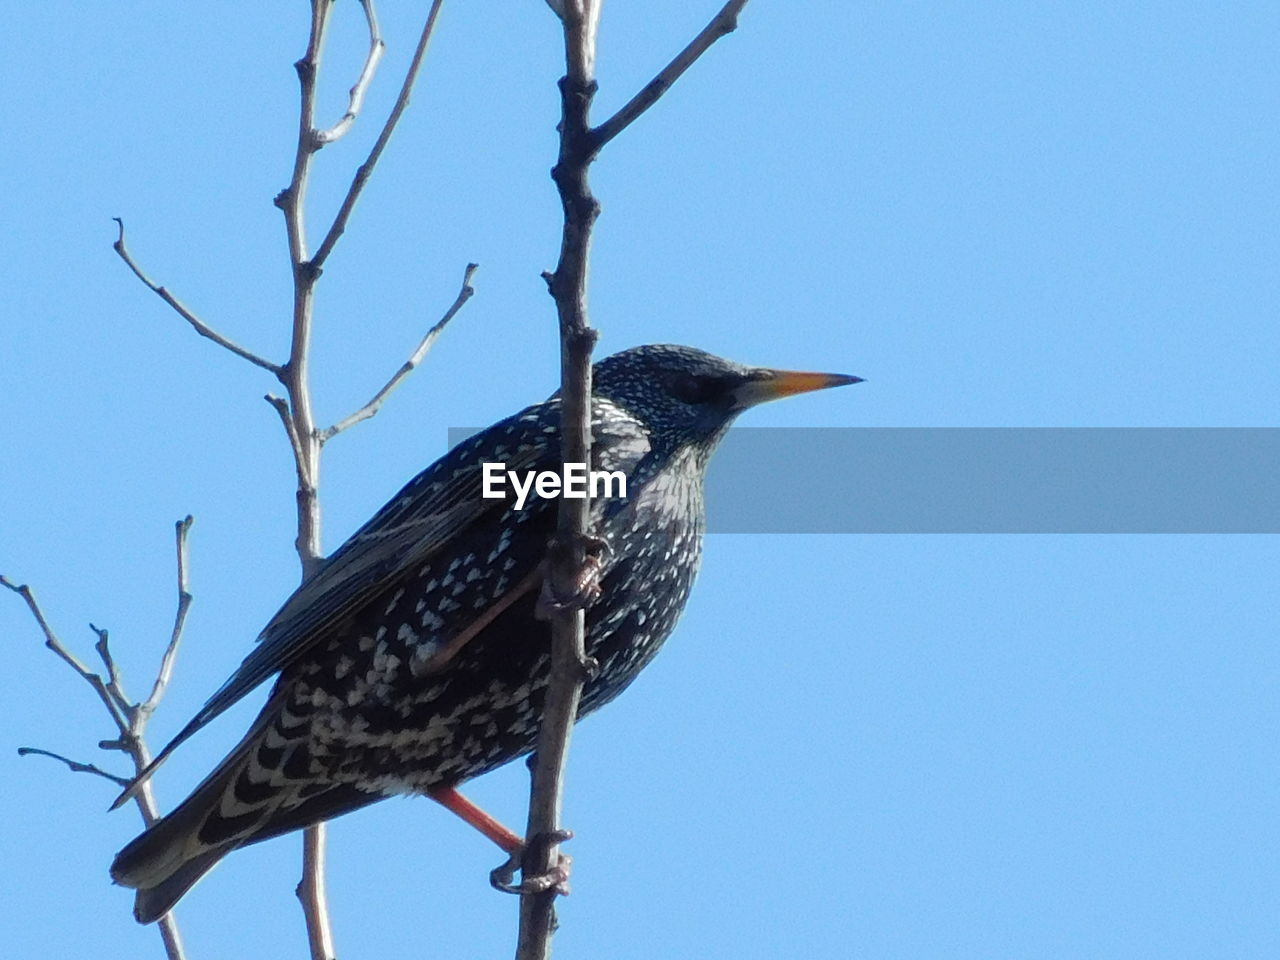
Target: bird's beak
764 384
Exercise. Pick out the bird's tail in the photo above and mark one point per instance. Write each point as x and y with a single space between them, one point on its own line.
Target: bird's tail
250 797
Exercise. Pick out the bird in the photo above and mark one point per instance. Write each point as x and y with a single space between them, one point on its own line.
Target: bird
415 659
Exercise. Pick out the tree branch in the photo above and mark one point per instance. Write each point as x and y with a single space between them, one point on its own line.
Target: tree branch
197 324
312 891
569 585
281 406
356 101
148 706
75 766
365 170
292 202
51 641
428 341
296 413
723 23
130 719
114 688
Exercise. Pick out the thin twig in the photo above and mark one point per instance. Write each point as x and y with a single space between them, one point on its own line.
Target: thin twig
428 341
724 22
148 706
305 462
356 101
183 311
365 170
75 766
53 643
114 686
281 406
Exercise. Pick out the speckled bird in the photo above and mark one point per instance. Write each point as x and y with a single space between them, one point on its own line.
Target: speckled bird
414 660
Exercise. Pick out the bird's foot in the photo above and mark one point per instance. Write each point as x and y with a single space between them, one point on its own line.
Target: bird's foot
585 588
597 547
557 878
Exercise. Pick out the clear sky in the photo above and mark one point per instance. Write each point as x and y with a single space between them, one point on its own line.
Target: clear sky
1000 214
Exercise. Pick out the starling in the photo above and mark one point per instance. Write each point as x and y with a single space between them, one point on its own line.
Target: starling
414 660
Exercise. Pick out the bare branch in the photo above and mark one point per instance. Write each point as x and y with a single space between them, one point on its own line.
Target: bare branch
723 23
356 101
572 560
313 893
148 706
197 324
135 743
130 723
299 422
114 687
570 583
365 169
297 415
311 890
281 406
103 649
75 766
295 412
304 461
53 643
428 341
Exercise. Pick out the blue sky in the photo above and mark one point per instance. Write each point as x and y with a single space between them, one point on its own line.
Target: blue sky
1000 214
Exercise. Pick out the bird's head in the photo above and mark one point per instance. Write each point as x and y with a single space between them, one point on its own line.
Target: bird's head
692 396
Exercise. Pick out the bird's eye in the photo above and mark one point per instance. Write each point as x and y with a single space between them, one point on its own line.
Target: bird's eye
689 389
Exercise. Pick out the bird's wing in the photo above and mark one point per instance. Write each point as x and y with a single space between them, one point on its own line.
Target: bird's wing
413 525
419 521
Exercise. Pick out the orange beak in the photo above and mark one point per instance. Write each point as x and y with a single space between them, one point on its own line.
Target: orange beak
765 384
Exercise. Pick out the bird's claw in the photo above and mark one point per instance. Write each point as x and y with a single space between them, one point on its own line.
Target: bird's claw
582 595
501 877
596 547
585 590
556 879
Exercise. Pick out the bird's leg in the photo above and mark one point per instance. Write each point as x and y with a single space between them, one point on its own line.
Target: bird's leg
457 804
502 877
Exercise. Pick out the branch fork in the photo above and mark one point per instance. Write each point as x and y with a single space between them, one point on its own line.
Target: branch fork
129 718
